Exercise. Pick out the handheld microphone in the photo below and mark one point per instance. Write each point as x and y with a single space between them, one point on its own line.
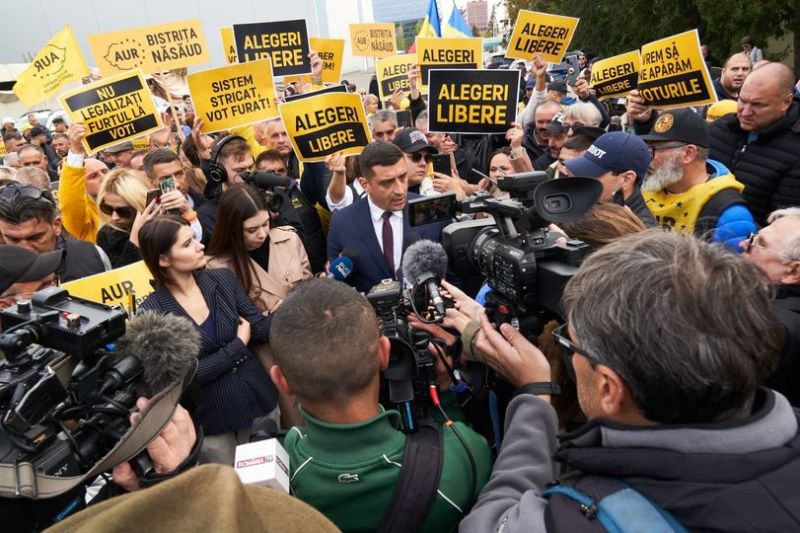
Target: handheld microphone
167 346
267 180
425 264
342 267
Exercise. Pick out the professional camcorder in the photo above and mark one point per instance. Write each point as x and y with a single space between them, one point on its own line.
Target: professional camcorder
67 392
525 267
274 185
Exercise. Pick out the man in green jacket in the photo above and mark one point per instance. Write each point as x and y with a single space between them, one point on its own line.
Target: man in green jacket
346 460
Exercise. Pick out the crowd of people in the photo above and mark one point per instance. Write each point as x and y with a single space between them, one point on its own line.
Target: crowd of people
673 370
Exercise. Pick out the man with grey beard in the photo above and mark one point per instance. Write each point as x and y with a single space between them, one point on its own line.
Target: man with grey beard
688 192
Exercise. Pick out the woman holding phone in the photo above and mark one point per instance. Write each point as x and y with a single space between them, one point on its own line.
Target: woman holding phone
123 211
238 396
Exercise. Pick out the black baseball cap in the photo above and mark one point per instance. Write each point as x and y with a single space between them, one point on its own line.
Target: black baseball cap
411 141
19 264
680 125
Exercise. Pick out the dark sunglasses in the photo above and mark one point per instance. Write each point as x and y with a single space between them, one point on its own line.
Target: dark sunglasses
417 157
561 334
26 191
122 212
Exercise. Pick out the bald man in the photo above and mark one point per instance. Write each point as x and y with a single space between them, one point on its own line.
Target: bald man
760 143
730 81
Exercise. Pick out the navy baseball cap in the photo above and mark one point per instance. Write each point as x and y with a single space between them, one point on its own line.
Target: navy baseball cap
616 151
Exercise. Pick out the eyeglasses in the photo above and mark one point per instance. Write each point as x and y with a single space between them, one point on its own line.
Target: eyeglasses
752 241
561 334
666 146
573 126
122 212
417 157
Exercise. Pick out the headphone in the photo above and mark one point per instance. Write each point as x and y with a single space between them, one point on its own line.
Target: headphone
215 171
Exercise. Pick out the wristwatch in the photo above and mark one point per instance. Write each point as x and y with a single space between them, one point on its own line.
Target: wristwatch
539 389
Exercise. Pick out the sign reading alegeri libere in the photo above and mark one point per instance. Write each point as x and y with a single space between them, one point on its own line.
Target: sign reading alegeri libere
392 73
472 101
285 43
151 48
324 124
113 109
541 33
616 76
234 95
673 73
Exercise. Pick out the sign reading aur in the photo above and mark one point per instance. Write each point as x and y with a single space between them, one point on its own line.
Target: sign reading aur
433 52
616 76
113 109
325 124
285 43
674 74
373 40
541 33
236 95
151 48
472 101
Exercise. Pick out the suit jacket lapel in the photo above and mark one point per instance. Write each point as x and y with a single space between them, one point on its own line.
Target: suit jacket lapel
370 239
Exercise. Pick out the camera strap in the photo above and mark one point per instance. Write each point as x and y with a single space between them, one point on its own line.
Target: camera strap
22 480
418 481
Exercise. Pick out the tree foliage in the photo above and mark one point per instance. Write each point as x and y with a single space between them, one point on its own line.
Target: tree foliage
609 27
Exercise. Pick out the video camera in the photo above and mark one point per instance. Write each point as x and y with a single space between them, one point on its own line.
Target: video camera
276 186
526 269
411 366
65 396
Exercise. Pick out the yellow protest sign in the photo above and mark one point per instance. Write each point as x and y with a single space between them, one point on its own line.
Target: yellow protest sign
674 74
3 151
541 33
331 52
115 286
322 125
392 73
373 40
616 76
141 143
236 95
58 62
228 44
151 48
113 109
433 52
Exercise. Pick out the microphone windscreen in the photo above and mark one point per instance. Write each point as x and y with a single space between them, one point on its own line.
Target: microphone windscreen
167 346
422 257
267 180
341 268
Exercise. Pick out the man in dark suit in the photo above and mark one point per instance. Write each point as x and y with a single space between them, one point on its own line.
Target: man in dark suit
375 228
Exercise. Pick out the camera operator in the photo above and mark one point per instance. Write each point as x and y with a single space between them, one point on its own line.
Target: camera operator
668 373
172 451
347 460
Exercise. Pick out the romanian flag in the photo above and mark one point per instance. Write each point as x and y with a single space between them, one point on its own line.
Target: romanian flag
58 62
430 26
456 26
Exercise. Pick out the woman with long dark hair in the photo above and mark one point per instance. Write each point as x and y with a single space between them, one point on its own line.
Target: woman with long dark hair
268 261
237 394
